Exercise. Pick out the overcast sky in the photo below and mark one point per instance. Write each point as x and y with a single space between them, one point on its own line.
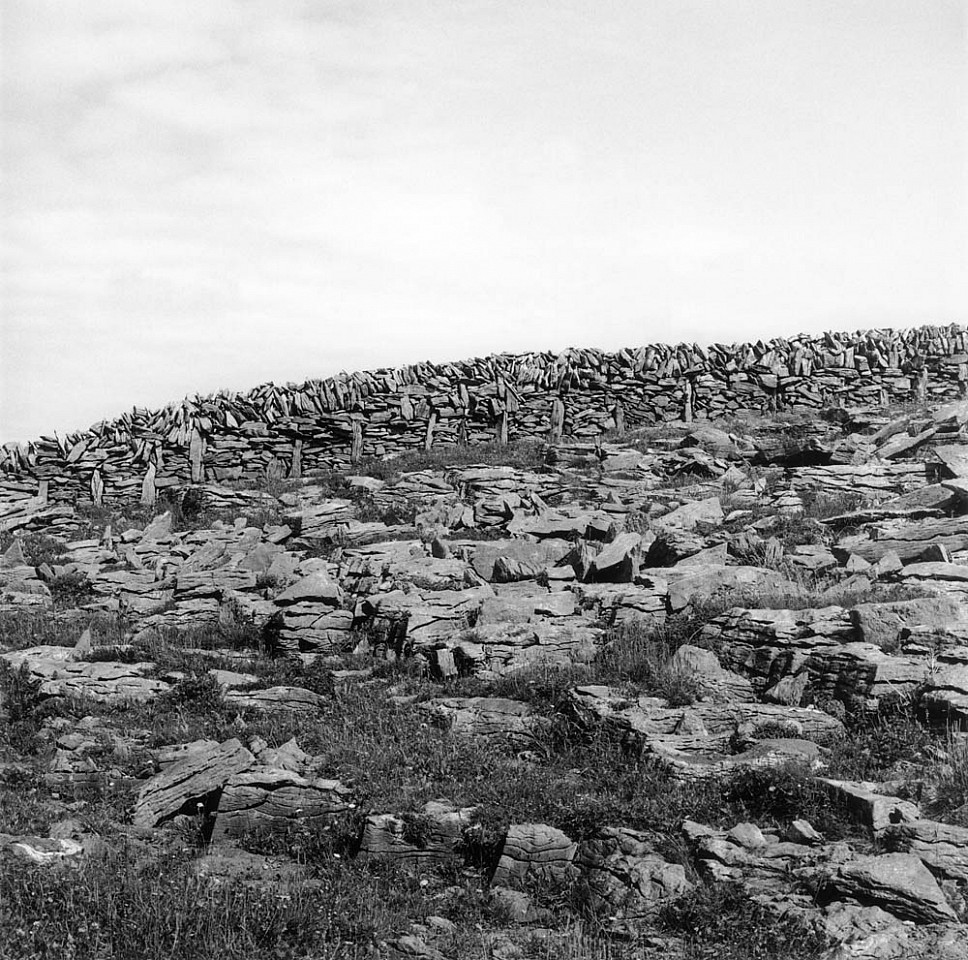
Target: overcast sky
206 194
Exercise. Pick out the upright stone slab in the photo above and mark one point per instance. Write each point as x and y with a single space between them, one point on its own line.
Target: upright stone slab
148 492
557 420
196 452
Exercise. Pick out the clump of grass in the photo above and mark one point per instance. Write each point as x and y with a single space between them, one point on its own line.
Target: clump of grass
877 743
37 548
950 802
195 695
544 687
818 505
639 651
71 589
520 454
369 510
24 706
719 919
775 796
308 841
20 629
130 908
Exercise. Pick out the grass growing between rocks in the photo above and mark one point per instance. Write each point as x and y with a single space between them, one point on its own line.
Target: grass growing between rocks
375 738
128 906
950 800
718 920
22 629
519 454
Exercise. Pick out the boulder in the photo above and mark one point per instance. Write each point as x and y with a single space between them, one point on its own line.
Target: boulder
618 561
435 834
711 680
295 699
626 877
943 847
898 882
190 784
270 797
534 851
871 805
491 717
910 541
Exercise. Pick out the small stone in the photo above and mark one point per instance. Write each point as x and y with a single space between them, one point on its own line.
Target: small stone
801 831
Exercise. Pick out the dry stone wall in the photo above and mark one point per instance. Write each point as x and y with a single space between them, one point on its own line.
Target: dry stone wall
287 430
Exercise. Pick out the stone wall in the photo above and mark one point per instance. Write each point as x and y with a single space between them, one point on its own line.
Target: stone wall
288 430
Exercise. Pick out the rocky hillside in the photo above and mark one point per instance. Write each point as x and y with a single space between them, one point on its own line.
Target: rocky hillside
681 692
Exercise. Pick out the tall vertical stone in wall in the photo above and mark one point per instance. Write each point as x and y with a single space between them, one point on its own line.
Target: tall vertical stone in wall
557 420
97 488
429 435
148 492
295 467
501 427
356 447
196 453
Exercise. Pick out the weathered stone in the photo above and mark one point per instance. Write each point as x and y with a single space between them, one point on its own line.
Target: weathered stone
711 680
945 694
316 588
954 459
884 623
498 717
626 876
943 847
898 882
41 851
435 834
191 783
768 645
691 515
534 850
499 649
618 561
486 554
268 798
872 807
910 541
295 699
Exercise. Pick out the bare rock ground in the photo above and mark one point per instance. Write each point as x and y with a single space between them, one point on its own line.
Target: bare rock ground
697 691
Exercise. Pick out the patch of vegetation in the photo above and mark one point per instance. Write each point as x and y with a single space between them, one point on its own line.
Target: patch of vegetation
308 842
37 548
639 651
775 796
950 801
818 505
29 628
69 590
519 454
131 908
24 707
877 743
369 510
200 695
718 919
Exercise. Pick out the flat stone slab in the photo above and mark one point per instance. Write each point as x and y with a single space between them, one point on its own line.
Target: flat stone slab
189 782
898 882
271 797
